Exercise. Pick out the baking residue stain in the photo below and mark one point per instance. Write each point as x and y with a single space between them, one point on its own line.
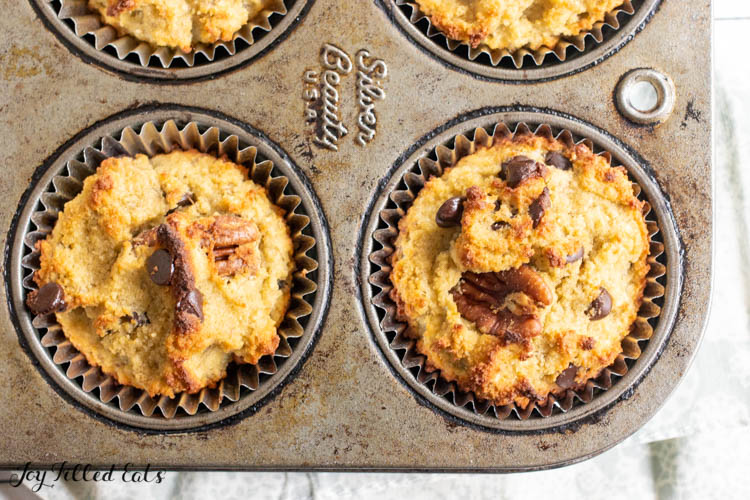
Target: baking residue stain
21 62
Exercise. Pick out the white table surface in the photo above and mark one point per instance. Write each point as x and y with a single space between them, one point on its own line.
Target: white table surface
688 450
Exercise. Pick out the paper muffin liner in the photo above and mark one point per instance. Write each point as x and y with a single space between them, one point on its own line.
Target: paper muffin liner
413 180
89 25
151 141
559 53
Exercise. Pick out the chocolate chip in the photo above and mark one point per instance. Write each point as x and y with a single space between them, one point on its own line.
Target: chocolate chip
518 169
496 226
497 205
160 267
557 160
186 200
601 306
192 303
282 284
49 298
574 257
539 206
450 212
567 378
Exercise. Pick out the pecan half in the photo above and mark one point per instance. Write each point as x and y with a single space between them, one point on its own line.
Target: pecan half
480 299
228 233
525 279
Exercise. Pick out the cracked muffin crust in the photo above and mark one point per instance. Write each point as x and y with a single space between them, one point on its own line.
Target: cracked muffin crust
502 24
521 268
178 23
163 270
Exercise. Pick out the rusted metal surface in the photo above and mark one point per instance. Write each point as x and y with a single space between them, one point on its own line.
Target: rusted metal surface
346 409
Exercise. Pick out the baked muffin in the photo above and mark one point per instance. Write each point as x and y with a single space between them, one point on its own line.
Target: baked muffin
521 269
178 23
503 24
163 270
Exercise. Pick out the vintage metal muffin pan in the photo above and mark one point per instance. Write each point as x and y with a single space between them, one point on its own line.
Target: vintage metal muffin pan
348 97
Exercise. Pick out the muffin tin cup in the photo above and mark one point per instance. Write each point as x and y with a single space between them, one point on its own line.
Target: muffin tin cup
656 313
244 385
85 28
545 62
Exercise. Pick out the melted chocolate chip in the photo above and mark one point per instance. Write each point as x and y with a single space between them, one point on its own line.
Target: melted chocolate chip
160 267
496 226
574 257
497 205
557 160
192 303
539 206
518 169
450 212
567 378
49 298
601 306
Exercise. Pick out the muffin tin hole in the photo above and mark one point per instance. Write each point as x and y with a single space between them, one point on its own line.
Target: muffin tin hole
640 349
151 132
82 30
645 96
570 56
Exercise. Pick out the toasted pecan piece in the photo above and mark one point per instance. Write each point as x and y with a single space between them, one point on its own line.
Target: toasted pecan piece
480 298
227 236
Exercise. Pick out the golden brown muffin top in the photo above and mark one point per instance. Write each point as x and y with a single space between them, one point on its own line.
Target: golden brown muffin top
179 23
502 24
165 269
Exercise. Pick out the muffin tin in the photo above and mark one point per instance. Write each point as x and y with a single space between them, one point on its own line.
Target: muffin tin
343 404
